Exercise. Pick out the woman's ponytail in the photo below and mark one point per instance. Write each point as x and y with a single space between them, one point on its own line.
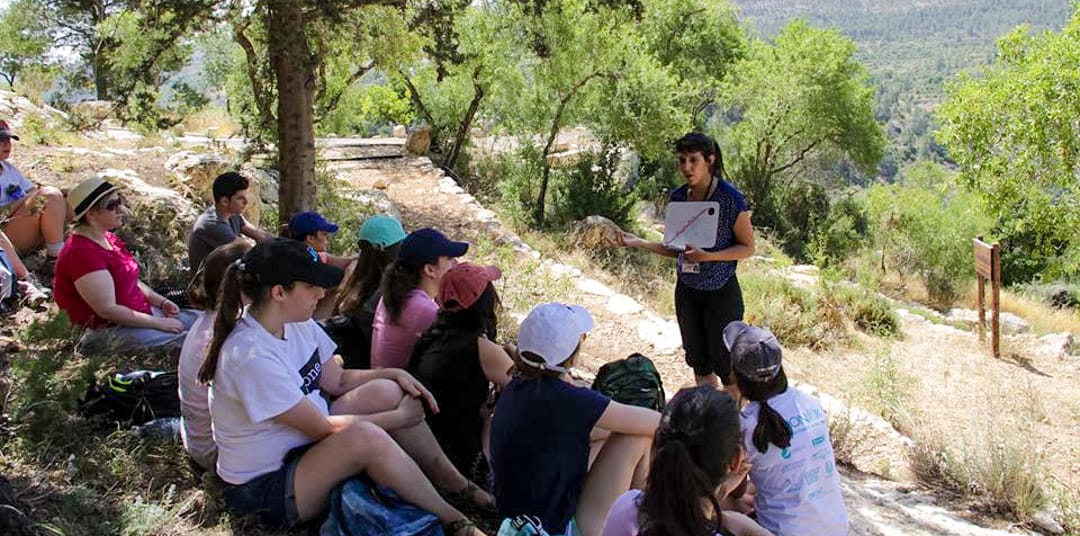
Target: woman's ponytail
771 428
229 302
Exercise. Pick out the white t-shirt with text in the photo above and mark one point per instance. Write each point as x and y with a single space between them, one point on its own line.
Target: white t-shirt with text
798 487
260 377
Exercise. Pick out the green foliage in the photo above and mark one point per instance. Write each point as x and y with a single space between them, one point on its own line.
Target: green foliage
26 39
885 389
366 110
592 186
801 97
791 312
518 175
924 227
866 308
842 233
1013 132
335 204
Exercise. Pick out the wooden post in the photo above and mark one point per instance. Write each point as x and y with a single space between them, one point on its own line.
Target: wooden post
988 266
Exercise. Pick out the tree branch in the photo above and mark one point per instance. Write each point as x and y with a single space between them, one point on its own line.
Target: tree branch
797 159
262 102
332 102
414 96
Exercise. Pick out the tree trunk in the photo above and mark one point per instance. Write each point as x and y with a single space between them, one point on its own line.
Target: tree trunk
101 75
290 58
466 123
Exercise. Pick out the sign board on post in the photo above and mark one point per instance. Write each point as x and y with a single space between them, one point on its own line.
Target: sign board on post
988 268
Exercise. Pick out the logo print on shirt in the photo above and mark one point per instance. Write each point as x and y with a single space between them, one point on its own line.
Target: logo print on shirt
310 373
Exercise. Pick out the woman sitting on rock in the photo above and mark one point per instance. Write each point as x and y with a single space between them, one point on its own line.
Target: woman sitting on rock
457 359
97 280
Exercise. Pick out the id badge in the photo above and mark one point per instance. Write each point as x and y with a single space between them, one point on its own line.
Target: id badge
691 268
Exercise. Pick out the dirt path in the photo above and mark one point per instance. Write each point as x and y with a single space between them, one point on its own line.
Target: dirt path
427 198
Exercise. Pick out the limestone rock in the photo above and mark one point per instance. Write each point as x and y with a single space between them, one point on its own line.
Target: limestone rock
376 200
598 231
398 131
592 286
267 180
156 226
1058 345
419 141
621 304
1045 521
381 184
662 334
197 171
1012 324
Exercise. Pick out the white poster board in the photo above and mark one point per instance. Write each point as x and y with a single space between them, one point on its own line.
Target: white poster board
691 223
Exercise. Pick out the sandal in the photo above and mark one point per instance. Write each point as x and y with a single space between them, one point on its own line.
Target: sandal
468 495
462 527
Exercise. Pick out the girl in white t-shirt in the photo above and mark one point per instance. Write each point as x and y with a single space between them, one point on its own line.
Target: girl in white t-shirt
786 435
281 447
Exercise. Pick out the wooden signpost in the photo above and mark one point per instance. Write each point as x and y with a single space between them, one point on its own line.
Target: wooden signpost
988 267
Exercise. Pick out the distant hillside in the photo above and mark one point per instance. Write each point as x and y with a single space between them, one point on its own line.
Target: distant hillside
912 48
927 40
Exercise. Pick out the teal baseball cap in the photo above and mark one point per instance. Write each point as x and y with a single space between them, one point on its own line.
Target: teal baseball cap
381 231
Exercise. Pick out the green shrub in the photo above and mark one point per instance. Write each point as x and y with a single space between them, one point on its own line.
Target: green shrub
841 234
867 309
591 187
336 206
518 177
791 312
924 227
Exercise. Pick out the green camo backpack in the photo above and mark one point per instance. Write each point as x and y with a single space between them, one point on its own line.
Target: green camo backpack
633 381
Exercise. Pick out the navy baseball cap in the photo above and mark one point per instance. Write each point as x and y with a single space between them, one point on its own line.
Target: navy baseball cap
305 223
281 261
425 246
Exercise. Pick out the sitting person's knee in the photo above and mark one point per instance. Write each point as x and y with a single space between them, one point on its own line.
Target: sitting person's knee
367 437
52 193
387 391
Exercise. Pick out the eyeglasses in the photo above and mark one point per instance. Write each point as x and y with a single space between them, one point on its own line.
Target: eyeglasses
113 203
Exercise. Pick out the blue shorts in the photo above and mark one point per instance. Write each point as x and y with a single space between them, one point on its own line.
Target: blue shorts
270 498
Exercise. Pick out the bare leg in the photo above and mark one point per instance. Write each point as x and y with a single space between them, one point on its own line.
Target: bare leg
623 464
13 255
365 448
378 396
30 231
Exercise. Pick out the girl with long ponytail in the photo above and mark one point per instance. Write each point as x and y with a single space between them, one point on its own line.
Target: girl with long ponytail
786 436
696 462
281 446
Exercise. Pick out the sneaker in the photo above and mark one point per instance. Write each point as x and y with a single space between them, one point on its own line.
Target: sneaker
32 295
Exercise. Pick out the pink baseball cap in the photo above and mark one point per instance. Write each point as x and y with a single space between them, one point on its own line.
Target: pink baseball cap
463 284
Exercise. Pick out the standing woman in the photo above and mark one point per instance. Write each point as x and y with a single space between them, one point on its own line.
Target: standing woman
707 295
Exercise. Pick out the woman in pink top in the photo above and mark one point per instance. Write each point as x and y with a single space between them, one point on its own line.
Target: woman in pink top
97 281
409 288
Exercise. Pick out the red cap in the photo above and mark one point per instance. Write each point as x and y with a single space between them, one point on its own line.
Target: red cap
463 284
5 130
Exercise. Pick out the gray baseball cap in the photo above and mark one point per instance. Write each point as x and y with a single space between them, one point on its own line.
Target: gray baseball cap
755 352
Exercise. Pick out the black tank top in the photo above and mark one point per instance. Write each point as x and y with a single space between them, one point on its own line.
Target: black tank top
447 361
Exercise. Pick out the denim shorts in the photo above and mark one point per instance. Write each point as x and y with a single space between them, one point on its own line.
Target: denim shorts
270 498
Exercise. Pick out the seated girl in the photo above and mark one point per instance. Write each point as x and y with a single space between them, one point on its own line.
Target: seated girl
457 359
540 433
97 281
696 462
786 433
194 395
281 447
409 287
351 326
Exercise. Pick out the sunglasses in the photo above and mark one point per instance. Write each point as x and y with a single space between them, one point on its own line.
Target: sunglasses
113 203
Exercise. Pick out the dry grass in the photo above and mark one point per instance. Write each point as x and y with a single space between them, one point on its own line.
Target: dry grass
210 122
1042 317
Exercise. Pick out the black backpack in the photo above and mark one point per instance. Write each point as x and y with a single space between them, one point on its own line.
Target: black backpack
136 397
353 337
633 381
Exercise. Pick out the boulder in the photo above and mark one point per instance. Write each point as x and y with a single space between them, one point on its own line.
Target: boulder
376 200
419 141
398 131
195 172
268 181
597 231
156 226
1058 345
95 111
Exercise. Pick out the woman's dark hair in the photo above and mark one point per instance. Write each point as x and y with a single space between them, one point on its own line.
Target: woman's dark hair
771 426
398 281
697 439
698 142
206 287
235 284
479 318
364 281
